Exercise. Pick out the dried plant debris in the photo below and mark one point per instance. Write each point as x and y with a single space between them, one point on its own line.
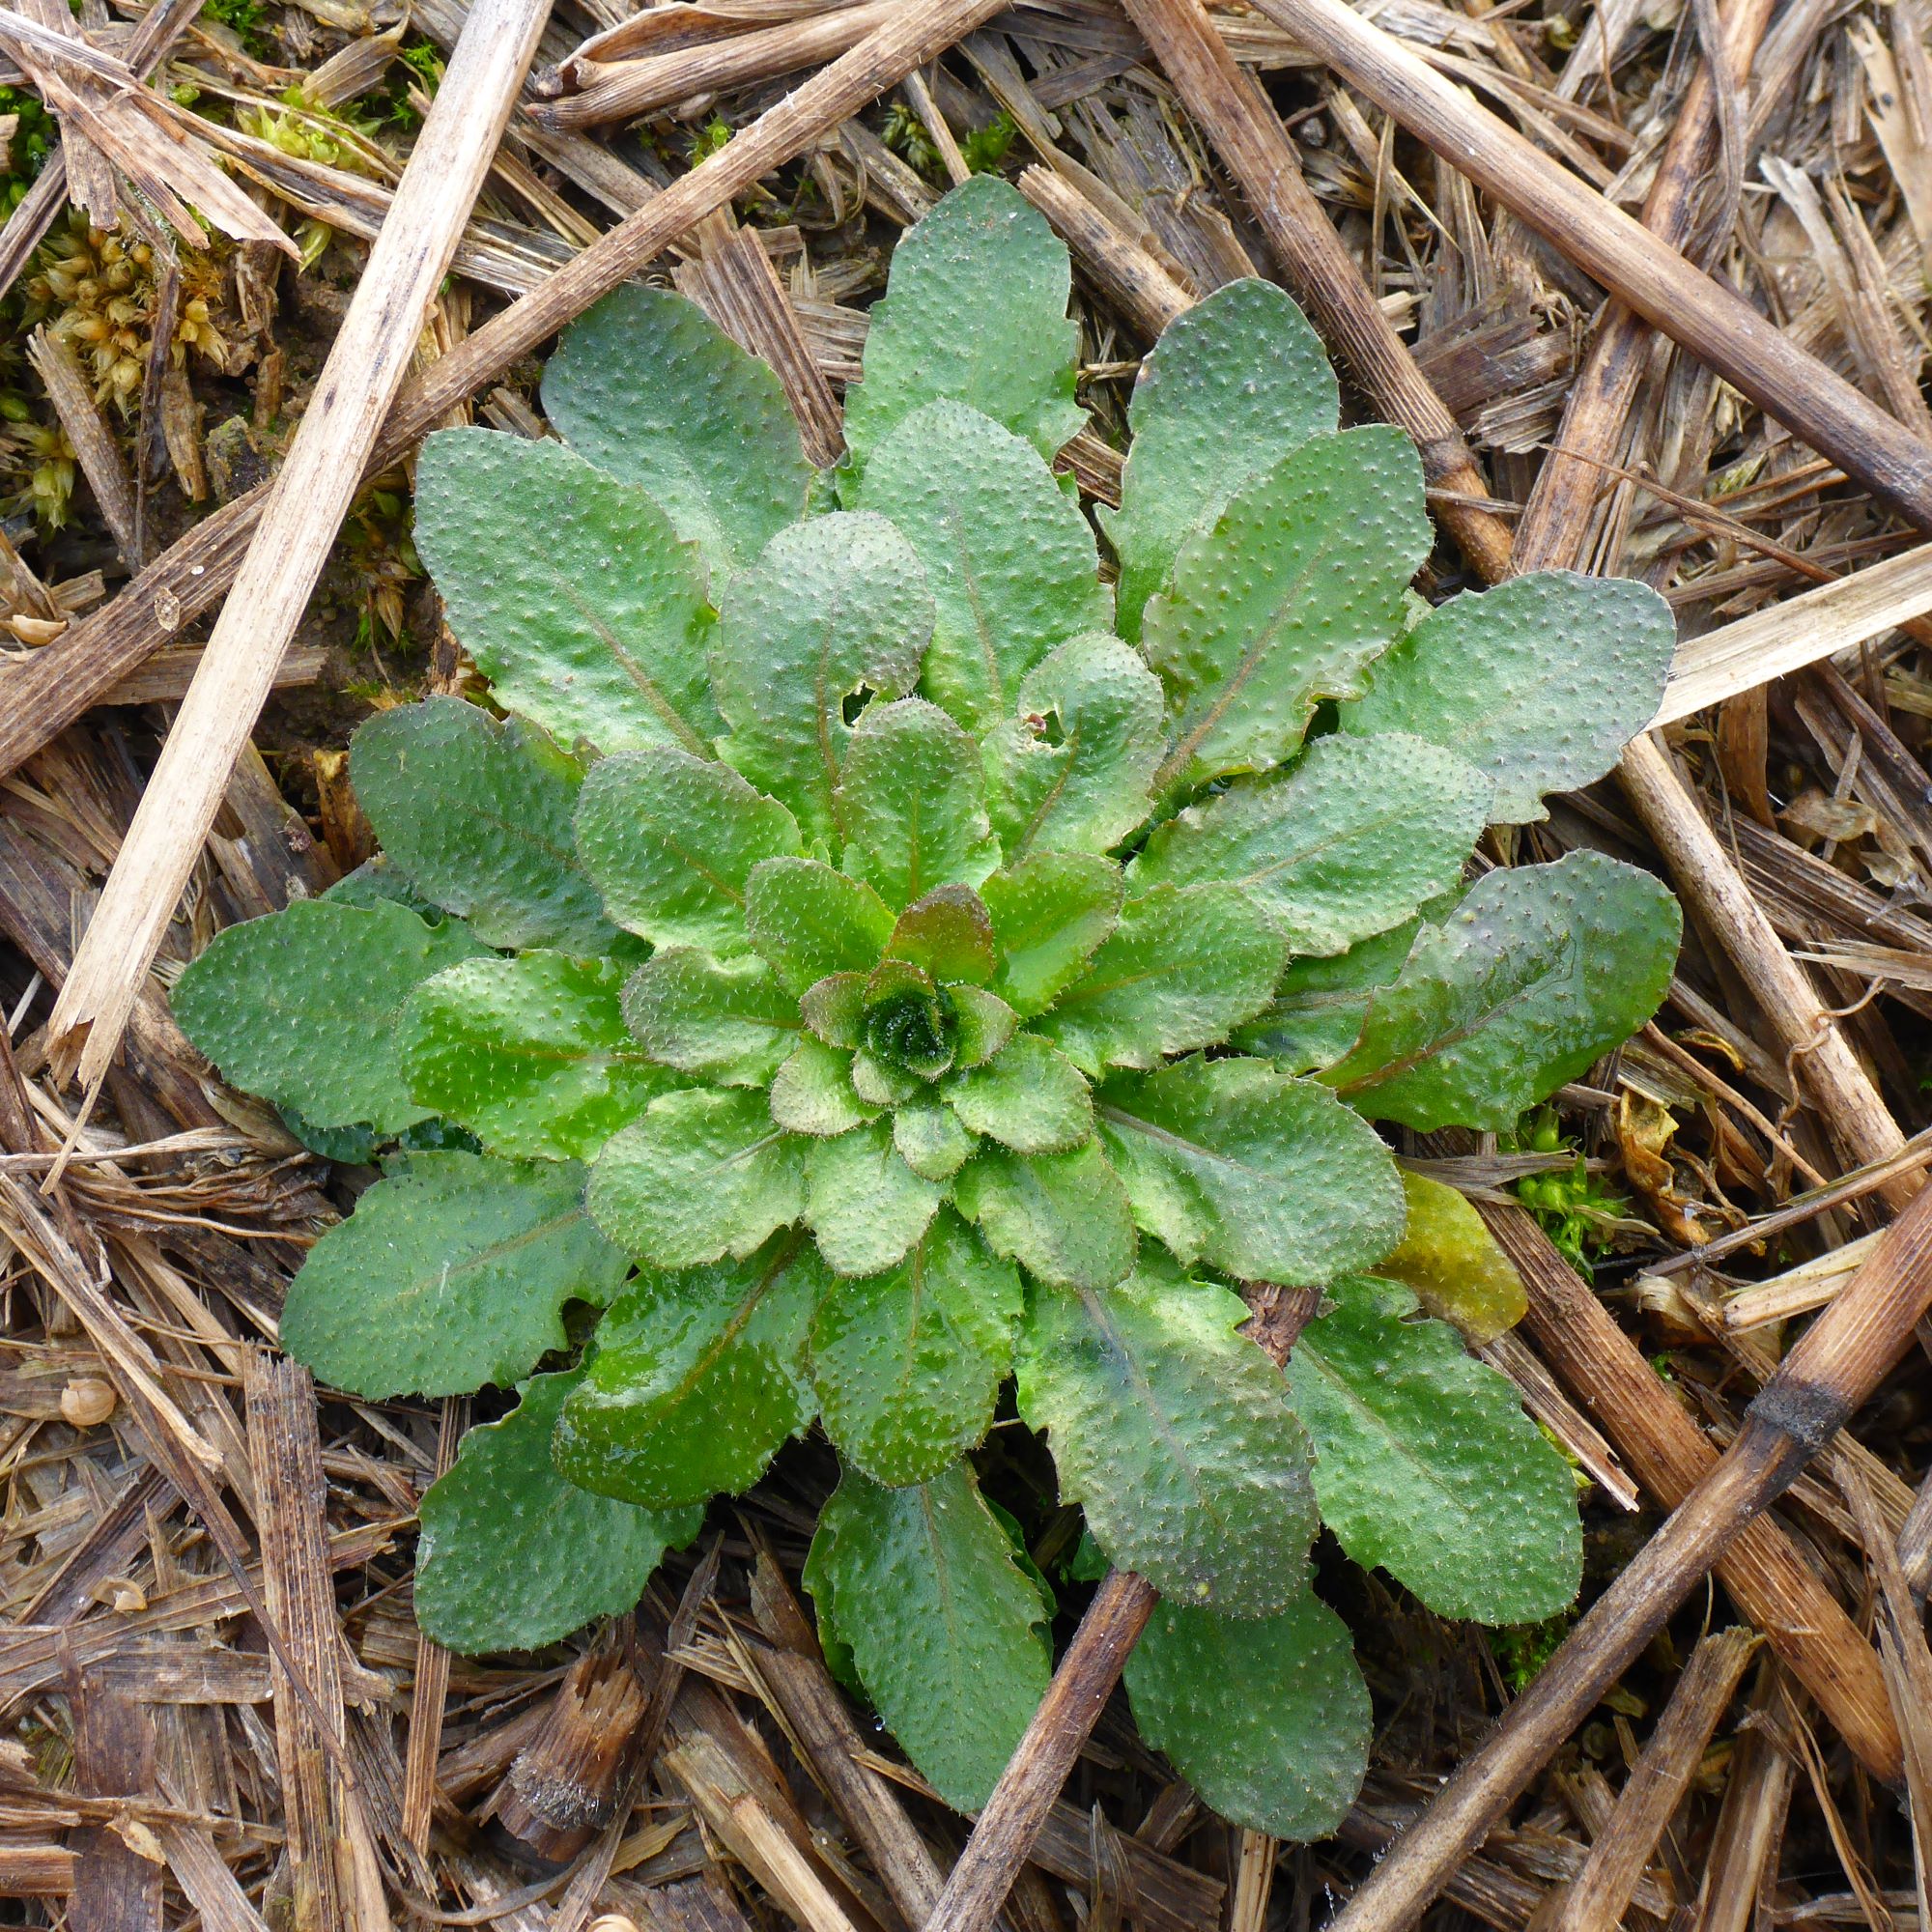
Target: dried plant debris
218 1581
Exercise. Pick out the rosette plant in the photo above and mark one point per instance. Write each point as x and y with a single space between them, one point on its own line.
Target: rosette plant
874 956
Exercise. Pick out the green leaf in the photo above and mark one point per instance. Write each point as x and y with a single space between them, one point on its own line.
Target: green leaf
512 1556
1538 971
1455 1266
695 1379
914 803
1175 1434
478 814
811 1093
652 392
1317 1012
301 1006
948 934
833 608
1350 842
1027 1096
985 1023
1267 1717
702 1173
1050 914
1230 387
907 1362
1063 1216
1426 1465
1010 560
597 631
810 921
945 1630
531 1054
1283 598
450 1273
671 840
1070 771
865 1206
930 1139
975 310
1539 683
727 1020
1268 1176
1182 970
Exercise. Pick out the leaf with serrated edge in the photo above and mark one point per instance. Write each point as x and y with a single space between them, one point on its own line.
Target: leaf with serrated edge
695 1379
1070 771
1028 1097
1539 683
530 1054
301 1006
1267 1717
865 1204
943 1627
930 1139
727 1020
1426 1465
1229 389
1010 561
503 1512
671 840
833 607
1268 1176
914 804
1353 842
1284 598
811 922
975 310
907 1362
1064 1216
478 814
1456 1268
651 390
1175 1434
597 632
1538 971
1182 968
702 1173
811 1093
450 1273
948 934
1050 914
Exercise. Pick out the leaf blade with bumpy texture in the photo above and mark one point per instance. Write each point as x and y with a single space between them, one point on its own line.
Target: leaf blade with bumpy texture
1362 833
671 840
727 1021
1455 1266
1063 1216
652 392
531 1054
1070 773
1182 968
1267 1717
1050 913
864 1203
975 311
810 924
301 1006
1539 683
1175 1434
922 1585
1230 387
695 1379
1010 560
1284 599
1268 1176
478 814
1538 971
914 801
451 1272
1425 1463
503 1512
702 1173
833 607
907 1362
1028 1097
597 632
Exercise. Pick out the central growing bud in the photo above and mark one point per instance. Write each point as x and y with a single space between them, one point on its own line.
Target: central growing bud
914 1027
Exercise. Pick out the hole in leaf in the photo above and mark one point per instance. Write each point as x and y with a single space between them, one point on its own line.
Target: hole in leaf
854 702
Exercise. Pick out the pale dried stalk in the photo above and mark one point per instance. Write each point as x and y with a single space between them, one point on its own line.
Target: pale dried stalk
93 447
305 507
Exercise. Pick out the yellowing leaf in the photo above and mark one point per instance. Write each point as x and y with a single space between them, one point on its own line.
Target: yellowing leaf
1454 1264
